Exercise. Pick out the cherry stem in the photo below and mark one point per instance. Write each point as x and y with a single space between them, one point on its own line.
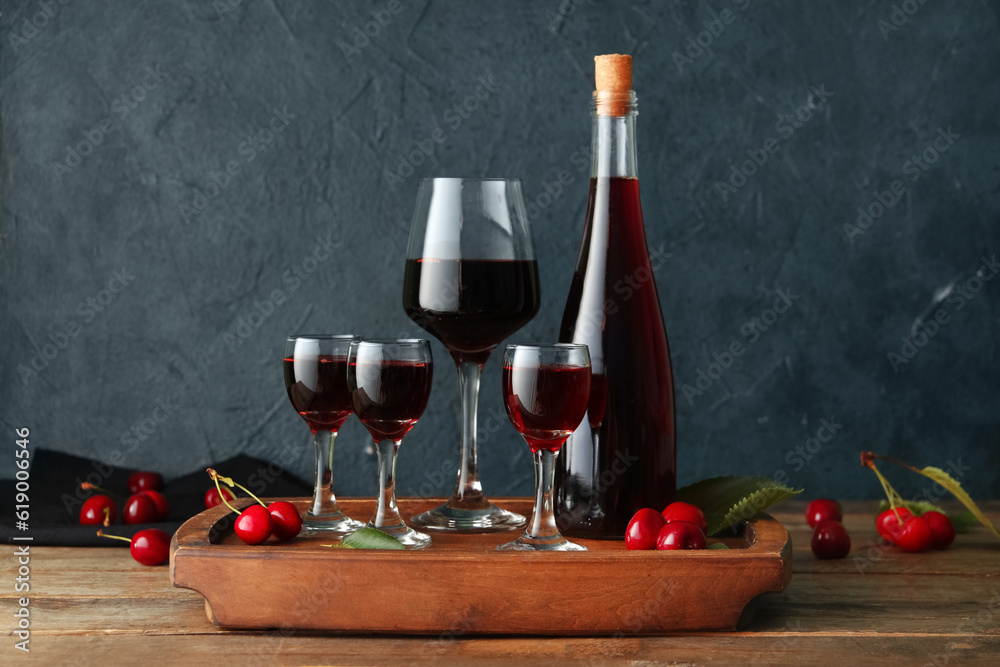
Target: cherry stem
100 533
229 480
889 459
87 486
868 460
215 478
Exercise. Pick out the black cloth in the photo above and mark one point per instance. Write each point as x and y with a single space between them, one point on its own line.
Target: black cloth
55 499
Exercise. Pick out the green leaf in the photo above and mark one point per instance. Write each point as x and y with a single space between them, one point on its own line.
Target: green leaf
717 545
950 483
963 521
369 538
726 501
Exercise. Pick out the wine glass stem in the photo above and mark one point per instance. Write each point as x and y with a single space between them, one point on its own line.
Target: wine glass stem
386 514
469 492
324 501
543 520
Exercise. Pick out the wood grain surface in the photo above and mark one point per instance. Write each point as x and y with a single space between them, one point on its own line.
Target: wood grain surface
460 583
97 606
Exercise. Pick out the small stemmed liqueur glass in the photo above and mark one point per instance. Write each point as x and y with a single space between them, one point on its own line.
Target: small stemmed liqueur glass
545 390
471 280
390 382
315 368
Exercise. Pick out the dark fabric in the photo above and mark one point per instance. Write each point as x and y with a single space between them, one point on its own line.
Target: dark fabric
55 501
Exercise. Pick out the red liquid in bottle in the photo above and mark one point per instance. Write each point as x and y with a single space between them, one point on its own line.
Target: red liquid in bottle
622 457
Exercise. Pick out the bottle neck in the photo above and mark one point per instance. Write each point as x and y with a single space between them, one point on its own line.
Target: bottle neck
613 139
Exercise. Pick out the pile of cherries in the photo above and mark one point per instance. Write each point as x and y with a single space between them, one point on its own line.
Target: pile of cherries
257 523
898 526
147 504
678 526
914 533
830 539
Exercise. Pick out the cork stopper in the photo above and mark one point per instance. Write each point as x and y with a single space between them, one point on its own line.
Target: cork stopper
613 81
613 72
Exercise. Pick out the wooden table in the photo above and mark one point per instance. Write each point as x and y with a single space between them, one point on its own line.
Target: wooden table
97 606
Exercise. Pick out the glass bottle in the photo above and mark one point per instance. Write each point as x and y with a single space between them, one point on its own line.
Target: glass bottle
623 456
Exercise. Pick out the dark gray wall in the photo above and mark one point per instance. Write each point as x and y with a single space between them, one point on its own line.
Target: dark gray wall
116 115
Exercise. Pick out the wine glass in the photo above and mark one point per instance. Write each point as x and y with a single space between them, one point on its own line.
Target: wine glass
390 381
471 280
546 389
316 379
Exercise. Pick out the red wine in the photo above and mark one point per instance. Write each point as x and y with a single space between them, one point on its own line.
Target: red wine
471 305
317 387
622 457
391 396
545 403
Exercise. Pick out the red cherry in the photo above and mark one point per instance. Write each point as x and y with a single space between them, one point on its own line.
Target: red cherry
150 546
823 509
212 497
643 530
286 522
889 526
685 512
98 510
145 481
162 505
830 540
680 535
253 525
942 530
139 508
915 535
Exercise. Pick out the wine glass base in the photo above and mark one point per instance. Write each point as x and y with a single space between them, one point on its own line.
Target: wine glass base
490 519
411 539
525 543
334 524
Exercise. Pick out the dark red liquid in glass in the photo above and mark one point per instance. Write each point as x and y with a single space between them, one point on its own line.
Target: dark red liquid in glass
545 403
613 307
391 396
317 387
471 305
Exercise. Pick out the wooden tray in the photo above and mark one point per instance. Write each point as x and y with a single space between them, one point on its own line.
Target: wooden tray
460 585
